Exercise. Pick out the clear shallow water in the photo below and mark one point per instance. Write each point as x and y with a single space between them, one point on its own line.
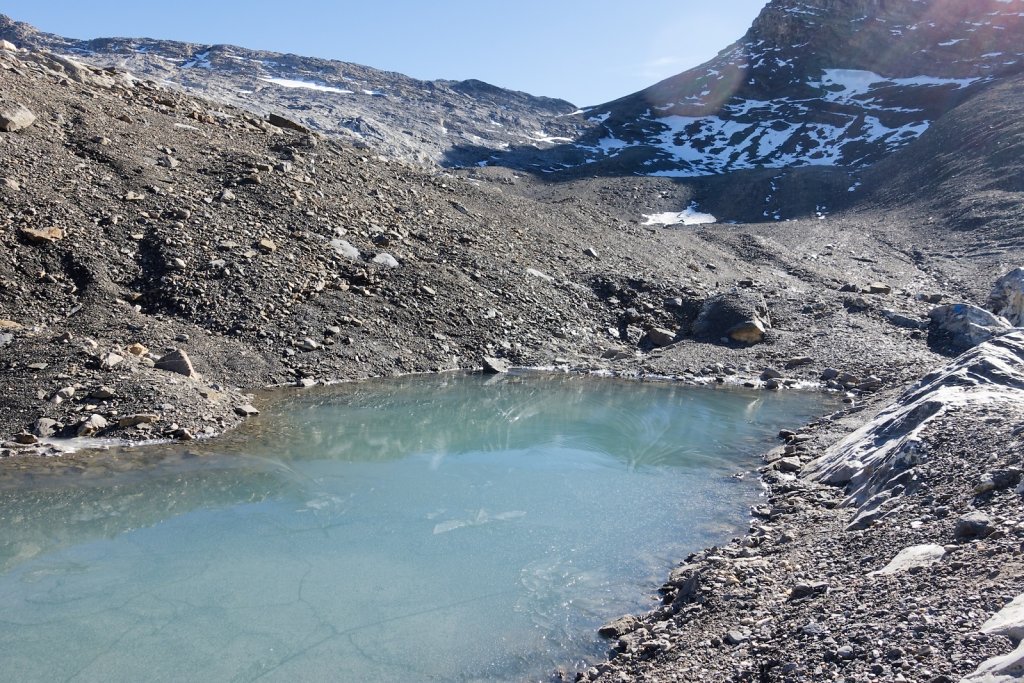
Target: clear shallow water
431 528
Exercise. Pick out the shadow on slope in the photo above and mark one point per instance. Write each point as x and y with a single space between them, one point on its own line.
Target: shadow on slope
967 170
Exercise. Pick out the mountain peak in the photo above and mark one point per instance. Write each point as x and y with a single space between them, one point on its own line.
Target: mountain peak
813 82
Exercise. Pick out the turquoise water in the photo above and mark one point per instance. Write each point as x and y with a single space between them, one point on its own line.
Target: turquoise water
445 528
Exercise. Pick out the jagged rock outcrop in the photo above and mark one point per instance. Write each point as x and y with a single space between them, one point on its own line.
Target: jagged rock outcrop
882 456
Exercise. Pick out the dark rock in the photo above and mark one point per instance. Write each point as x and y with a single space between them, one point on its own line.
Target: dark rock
619 627
802 591
973 525
740 316
282 122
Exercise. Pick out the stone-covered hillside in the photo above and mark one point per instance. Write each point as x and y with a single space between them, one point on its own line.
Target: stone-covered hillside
460 122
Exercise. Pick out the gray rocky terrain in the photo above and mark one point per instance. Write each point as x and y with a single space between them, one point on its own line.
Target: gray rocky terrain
459 122
165 257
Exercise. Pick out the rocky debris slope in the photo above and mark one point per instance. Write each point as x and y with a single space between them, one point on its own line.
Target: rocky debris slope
813 82
163 255
459 122
928 591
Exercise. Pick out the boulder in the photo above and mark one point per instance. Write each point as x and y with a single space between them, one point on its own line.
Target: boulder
1009 621
176 361
15 116
912 557
658 337
385 259
92 425
494 366
1007 297
136 420
973 525
964 326
619 627
737 316
110 361
282 122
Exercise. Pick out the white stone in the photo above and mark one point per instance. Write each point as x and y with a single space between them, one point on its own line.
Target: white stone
914 556
385 259
1007 297
1008 668
345 248
1009 621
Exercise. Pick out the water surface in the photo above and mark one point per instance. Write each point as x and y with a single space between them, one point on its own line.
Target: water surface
445 528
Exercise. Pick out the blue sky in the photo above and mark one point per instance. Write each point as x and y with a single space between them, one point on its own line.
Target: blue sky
586 51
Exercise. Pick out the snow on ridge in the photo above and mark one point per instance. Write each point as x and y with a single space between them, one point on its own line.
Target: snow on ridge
291 83
783 132
688 216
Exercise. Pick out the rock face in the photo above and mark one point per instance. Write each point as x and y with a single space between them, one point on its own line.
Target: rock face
883 454
449 122
737 316
1007 297
1008 622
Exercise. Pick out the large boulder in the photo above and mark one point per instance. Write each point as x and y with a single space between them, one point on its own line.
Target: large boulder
735 316
1007 297
15 116
963 326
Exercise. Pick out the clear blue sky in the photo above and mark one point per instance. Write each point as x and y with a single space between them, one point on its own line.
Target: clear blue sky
585 51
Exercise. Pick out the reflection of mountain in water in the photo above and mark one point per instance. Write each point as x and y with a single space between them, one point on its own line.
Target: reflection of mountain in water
632 424
38 520
640 424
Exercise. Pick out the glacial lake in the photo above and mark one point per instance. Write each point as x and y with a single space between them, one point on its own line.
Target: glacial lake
435 528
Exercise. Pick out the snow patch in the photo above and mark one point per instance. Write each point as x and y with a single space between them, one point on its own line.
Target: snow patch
689 216
291 83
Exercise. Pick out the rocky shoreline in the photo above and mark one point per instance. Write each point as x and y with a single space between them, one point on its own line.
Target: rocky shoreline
904 566
165 256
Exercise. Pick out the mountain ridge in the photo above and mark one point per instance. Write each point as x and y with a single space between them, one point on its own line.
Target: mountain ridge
811 83
395 114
